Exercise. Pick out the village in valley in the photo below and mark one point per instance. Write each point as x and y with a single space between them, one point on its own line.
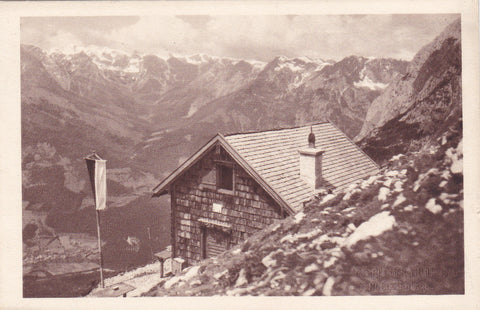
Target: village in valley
226 176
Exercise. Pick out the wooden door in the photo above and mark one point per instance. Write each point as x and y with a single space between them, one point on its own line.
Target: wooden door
215 242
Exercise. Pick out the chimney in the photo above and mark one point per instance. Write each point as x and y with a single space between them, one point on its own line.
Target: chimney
311 163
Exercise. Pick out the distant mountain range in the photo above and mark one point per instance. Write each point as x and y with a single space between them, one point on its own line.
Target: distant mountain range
143 113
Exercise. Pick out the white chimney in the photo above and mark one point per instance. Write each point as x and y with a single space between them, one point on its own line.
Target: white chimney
311 163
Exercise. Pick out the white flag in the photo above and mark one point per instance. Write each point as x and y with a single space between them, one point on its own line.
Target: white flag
100 184
97 169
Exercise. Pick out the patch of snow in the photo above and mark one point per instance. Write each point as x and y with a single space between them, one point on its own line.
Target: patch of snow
196 59
329 262
416 186
457 166
309 292
219 275
327 198
398 186
337 252
160 132
192 272
423 176
460 147
446 175
299 217
450 152
351 226
368 83
192 110
352 187
154 139
375 226
388 182
433 207
322 65
327 287
268 261
349 194
287 238
293 238
348 209
447 198
299 80
242 278
384 206
383 193
132 67
288 65
369 181
396 157
400 199
259 65
305 59
324 238
391 173
311 268
171 282
279 276
274 229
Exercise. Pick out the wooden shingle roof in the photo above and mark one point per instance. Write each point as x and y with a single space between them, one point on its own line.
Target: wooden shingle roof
274 155
272 159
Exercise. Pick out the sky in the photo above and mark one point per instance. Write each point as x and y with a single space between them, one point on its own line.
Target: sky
254 37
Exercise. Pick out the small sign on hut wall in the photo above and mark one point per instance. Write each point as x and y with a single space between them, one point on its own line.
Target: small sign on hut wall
217 207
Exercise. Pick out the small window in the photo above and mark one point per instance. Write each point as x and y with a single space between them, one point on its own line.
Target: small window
225 177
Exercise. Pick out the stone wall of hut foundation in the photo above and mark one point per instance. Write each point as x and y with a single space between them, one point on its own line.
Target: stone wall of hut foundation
246 210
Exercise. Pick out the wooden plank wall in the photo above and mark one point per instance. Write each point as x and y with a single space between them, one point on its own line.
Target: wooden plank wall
247 210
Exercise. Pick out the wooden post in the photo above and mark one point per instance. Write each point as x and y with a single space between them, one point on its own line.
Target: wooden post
150 243
100 249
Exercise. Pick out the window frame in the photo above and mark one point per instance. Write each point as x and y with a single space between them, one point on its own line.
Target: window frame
230 165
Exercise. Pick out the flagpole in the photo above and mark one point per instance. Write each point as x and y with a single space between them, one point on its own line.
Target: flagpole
98 181
100 248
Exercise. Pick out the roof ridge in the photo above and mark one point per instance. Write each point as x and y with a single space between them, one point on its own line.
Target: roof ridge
275 129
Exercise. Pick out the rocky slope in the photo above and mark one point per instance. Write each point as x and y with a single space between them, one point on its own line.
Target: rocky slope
399 232
419 103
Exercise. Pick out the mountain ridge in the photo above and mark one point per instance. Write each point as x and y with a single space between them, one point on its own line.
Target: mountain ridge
418 81
422 103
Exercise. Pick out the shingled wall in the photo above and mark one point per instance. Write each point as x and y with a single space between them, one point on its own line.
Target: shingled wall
246 211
